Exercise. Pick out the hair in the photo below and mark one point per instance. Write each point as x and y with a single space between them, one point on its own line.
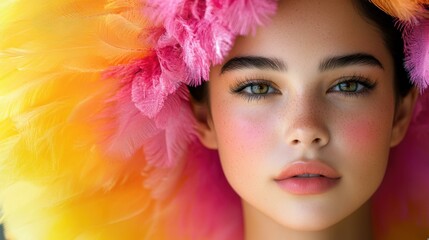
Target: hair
392 37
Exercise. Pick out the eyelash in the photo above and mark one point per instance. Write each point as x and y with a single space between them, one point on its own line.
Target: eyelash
241 85
366 86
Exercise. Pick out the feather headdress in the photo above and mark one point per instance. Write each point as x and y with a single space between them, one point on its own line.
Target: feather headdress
405 10
96 133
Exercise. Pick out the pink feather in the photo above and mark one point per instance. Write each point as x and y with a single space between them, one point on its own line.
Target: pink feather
176 126
191 36
244 16
416 38
204 206
129 131
205 29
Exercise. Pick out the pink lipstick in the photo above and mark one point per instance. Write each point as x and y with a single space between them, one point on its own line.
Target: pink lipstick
308 177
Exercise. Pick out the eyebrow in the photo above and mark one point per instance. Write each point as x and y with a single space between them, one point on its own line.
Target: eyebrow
238 63
352 59
276 64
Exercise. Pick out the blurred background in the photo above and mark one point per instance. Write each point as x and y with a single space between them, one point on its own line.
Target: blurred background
1 233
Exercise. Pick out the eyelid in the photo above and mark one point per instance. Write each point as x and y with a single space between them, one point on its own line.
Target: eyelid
240 85
364 81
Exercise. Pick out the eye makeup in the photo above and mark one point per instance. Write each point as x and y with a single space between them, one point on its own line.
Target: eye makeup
353 86
254 88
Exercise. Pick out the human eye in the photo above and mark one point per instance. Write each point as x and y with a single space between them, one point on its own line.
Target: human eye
353 86
254 89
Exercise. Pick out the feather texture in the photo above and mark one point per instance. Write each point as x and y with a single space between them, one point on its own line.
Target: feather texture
96 135
57 182
206 207
416 38
405 10
87 133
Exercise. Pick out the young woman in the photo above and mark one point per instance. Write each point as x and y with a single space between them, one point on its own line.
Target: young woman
301 115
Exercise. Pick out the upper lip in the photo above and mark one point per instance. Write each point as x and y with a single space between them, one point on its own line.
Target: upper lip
308 167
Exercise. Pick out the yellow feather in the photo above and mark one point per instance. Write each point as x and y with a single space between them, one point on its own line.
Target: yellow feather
55 180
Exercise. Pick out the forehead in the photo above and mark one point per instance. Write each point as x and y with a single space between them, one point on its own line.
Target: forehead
304 32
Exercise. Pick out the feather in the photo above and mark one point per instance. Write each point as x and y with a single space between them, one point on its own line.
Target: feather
203 198
416 39
200 33
405 10
253 13
87 132
175 135
57 181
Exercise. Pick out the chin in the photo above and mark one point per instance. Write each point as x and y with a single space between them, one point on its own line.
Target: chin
311 226
311 223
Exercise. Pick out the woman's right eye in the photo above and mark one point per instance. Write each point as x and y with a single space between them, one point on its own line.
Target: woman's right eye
258 88
255 89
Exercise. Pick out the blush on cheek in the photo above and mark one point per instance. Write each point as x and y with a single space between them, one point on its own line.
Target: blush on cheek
360 133
366 136
248 133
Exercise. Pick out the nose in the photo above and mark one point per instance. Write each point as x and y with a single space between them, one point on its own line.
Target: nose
308 126
308 136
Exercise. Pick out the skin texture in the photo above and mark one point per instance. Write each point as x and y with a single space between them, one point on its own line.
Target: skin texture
305 117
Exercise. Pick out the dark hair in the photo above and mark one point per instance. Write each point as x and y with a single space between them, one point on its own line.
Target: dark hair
392 37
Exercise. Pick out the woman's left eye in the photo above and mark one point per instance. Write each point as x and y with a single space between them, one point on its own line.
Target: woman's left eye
352 86
349 87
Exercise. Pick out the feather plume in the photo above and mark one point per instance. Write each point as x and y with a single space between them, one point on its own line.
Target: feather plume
253 13
405 10
202 32
416 38
175 133
204 199
56 179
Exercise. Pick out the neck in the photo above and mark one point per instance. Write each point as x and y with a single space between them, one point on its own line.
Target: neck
354 227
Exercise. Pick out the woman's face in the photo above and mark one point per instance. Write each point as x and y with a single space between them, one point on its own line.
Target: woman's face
302 114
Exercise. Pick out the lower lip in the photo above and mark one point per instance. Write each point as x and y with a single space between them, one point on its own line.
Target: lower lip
307 186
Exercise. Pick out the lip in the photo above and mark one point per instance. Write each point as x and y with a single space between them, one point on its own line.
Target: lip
297 178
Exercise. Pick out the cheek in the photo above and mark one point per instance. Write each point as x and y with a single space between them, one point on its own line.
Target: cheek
247 133
244 143
242 129
366 140
368 131
362 134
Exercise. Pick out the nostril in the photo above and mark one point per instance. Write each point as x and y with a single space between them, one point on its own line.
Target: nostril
296 141
317 140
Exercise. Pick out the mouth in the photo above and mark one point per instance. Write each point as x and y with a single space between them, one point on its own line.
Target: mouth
308 178
308 175
308 169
